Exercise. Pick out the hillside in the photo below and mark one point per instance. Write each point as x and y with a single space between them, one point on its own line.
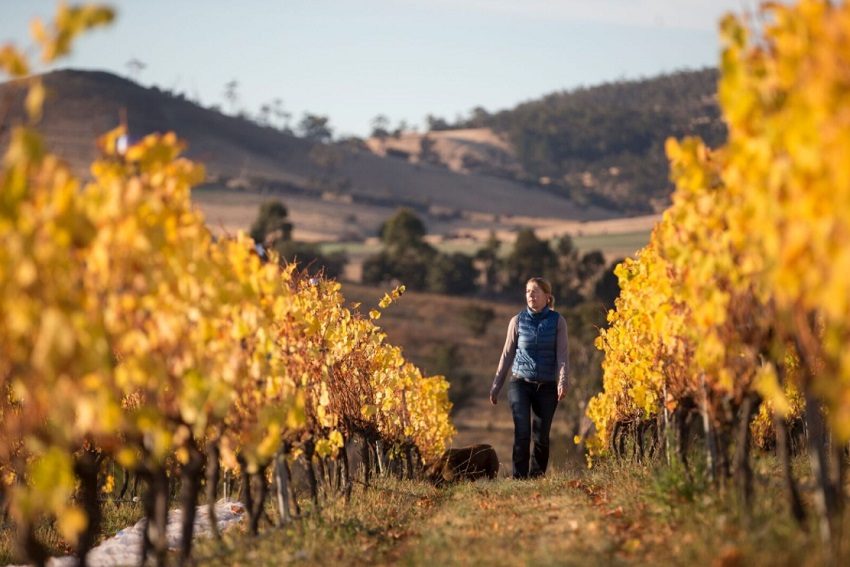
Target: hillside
471 150
605 144
601 145
343 183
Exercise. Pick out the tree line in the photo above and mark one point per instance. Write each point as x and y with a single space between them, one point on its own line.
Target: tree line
406 256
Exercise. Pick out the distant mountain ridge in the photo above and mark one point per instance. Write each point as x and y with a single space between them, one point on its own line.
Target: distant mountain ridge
241 154
586 154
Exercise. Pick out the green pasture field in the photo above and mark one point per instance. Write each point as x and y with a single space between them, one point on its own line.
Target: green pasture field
613 245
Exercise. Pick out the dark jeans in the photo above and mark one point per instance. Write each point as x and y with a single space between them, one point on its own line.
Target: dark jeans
533 406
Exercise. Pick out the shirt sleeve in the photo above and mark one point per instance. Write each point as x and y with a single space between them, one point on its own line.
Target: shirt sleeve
507 358
562 353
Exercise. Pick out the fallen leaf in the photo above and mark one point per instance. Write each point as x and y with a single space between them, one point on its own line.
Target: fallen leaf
616 512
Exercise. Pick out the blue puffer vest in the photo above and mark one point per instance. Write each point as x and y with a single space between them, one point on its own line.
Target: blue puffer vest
535 358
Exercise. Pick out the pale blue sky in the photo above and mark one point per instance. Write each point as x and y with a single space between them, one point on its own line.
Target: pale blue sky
352 60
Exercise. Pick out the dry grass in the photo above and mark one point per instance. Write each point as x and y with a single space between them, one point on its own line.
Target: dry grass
501 522
466 150
318 220
115 517
227 211
673 518
613 514
364 532
507 522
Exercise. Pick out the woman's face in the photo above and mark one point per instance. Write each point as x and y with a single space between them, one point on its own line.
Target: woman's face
535 297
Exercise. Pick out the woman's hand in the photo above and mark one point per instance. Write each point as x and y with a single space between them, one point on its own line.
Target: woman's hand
562 392
493 397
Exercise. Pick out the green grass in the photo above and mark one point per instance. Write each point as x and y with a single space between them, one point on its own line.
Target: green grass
620 244
348 248
116 517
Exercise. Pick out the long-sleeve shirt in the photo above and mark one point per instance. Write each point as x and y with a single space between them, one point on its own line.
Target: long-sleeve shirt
509 352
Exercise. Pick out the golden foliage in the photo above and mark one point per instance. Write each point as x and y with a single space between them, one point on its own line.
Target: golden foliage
753 256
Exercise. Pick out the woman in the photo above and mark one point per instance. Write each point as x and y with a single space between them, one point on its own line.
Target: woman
535 354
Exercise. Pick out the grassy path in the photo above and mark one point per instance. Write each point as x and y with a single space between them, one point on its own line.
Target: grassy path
507 522
610 515
503 522
554 521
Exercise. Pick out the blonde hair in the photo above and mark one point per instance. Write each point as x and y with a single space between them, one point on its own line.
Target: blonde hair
546 287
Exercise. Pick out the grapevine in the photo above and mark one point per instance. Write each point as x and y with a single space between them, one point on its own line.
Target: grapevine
738 308
129 334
